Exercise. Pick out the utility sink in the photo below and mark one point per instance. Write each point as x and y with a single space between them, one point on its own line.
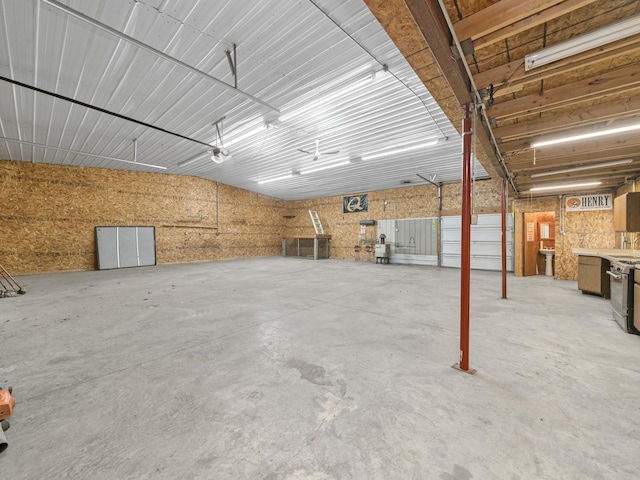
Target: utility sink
548 261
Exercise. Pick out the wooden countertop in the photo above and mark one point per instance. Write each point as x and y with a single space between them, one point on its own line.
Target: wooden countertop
608 253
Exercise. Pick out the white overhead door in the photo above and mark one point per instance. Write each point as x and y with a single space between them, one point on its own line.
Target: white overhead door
486 242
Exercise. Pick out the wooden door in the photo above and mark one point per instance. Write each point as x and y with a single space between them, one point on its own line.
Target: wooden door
531 243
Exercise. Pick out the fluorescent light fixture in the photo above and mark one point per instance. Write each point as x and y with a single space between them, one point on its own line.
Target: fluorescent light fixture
306 171
564 187
321 102
585 136
275 179
584 167
231 140
400 150
582 43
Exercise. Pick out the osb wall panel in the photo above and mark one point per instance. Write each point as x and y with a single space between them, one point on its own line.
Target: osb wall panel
591 229
407 202
50 213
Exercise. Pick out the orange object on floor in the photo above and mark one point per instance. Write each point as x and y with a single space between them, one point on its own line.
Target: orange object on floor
7 402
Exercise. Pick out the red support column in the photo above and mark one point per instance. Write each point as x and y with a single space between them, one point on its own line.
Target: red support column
503 204
465 253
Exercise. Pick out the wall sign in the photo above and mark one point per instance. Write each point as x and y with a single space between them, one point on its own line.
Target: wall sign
359 203
582 203
531 231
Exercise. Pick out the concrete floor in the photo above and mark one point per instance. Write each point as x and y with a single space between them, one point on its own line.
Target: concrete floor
285 368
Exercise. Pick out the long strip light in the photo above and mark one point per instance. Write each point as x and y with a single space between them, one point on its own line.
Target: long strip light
582 43
364 157
322 101
77 152
585 136
401 150
275 179
307 171
584 167
564 187
232 140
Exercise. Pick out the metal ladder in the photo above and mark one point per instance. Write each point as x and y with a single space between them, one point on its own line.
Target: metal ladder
8 285
317 225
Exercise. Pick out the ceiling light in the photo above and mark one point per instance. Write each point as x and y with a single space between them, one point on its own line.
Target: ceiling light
582 43
275 179
584 167
231 140
378 74
584 136
324 167
402 150
564 187
322 101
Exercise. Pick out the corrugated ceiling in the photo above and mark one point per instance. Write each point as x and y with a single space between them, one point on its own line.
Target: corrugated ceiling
309 65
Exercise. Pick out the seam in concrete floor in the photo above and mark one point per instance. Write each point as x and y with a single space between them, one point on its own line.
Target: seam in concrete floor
278 368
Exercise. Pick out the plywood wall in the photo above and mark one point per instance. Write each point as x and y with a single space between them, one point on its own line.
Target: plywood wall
418 201
49 213
591 229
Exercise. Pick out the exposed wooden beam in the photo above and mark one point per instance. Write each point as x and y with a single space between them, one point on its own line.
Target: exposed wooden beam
433 26
606 183
620 108
622 146
526 168
511 77
434 29
609 82
529 22
497 16
603 172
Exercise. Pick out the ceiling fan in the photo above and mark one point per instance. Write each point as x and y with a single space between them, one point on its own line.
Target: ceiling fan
317 154
218 153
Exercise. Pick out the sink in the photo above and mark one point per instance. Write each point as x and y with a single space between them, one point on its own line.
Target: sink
548 267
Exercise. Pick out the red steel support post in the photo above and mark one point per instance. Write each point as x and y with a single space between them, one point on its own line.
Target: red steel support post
503 204
465 253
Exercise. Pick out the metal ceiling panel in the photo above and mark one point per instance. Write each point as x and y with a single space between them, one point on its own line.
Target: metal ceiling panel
156 71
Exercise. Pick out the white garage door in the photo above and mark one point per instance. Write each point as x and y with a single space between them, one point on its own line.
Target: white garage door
486 242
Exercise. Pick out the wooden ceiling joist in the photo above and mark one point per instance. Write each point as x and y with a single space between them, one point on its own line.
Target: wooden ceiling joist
511 77
620 108
497 16
619 147
609 82
529 22
435 31
588 174
596 88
